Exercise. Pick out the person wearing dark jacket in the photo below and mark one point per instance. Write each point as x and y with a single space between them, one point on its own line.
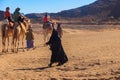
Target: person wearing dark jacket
58 54
30 38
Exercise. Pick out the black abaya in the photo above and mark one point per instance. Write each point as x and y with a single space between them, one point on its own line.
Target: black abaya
58 54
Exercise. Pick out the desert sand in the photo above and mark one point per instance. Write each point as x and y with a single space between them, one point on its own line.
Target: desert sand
93 55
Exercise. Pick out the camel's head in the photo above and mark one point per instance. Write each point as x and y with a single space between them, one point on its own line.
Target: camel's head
27 23
27 20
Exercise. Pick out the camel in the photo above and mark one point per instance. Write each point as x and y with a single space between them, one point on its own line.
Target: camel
6 32
19 32
47 29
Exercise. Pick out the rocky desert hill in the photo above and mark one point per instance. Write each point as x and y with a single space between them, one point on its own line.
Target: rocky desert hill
98 9
1 15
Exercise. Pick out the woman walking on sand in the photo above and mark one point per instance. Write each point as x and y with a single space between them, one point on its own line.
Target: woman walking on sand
58 54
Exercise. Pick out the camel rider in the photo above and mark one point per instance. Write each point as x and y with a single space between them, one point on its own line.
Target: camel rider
46 19
18 17
8 16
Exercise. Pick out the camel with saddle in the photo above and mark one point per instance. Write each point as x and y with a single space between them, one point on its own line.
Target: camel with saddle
6 32
47 30
14 30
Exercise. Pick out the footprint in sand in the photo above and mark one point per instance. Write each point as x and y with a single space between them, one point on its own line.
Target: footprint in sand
78 68
53 79
66 79
115 72
93 64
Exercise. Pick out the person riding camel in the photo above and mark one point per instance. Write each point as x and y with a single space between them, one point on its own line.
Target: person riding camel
7 15
18 17
46 19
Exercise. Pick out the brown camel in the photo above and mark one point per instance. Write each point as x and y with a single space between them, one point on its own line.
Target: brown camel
47 29
19 31
6 32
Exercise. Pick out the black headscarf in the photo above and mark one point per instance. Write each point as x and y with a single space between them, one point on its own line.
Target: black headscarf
55 35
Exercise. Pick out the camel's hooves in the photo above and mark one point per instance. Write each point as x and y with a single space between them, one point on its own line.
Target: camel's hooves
12 50
16 51
3 51
23 50
7 51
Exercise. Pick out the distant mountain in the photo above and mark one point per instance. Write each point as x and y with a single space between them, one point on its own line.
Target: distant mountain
116 10
34 15
99 9
1 15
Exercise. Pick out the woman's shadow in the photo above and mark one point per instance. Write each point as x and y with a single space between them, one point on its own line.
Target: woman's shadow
34 69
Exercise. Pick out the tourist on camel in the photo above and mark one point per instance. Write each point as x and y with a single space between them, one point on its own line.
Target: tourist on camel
46 19
19 18
8 17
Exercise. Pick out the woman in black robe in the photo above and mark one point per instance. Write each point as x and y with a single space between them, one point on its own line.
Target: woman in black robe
58 54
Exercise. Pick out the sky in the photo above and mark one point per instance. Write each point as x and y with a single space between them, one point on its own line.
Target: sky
41 6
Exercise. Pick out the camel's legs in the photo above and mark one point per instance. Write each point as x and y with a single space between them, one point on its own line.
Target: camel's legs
23 43
3 43
7 44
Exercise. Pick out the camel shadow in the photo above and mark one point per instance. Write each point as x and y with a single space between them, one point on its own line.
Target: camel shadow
33 69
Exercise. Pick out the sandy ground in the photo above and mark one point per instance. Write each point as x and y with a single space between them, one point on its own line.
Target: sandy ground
93 55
